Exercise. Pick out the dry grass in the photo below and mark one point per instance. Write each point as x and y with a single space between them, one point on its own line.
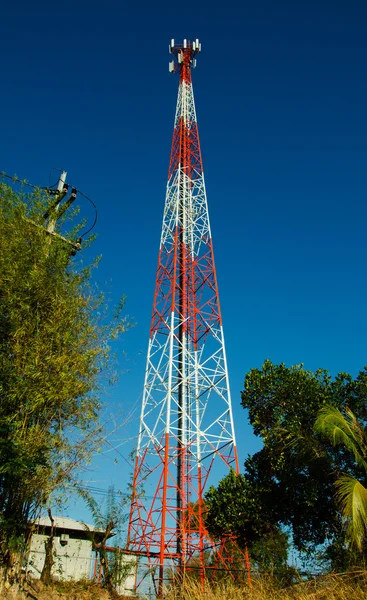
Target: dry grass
352 586
330 587
35 590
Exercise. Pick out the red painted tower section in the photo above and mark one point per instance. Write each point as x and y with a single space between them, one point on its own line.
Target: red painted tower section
186 419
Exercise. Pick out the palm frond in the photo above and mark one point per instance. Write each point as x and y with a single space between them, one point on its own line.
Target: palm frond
353 500
343 429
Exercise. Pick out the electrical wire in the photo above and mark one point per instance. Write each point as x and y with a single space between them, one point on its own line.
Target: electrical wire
103 492
95 213
37 187
49 177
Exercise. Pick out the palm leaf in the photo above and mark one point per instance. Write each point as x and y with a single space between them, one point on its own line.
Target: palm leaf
353 500
343 429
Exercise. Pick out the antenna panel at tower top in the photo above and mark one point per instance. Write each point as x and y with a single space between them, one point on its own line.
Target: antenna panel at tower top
184 53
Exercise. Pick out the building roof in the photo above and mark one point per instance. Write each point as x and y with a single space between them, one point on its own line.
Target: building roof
68 524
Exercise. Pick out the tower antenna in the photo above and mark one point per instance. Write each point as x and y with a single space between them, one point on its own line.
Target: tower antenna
186 418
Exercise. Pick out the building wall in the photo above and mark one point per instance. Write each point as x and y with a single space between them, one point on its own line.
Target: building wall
128 565
72 559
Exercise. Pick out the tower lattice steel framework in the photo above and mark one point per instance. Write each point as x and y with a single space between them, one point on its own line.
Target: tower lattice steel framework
186 417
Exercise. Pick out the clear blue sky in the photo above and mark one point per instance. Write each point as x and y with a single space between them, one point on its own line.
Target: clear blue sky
281 96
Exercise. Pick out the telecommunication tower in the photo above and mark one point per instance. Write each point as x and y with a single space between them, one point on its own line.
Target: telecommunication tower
186 418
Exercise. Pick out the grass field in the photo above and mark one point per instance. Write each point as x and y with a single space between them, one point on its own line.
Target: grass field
351 586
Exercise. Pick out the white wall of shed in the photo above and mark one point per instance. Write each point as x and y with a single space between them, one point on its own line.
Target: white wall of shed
73 560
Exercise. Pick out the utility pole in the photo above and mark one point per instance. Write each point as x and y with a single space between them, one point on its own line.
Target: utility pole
54 212
62 189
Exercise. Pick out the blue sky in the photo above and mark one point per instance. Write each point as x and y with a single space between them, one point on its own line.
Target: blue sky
281 95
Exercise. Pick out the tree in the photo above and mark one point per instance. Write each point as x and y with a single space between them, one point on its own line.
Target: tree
345 430
293 475
229 510
290 482
46 574
54 336
232 509
109 521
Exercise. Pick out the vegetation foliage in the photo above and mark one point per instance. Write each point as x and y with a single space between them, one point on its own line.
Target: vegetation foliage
109 519
350 586
332 587
54 335
344 429
289 485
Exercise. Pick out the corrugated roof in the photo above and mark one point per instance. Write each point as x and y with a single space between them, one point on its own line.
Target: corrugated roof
67 523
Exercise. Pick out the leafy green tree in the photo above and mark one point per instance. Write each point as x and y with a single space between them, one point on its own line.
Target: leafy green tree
54 349
345 430
232 509
228 509
293 475
290 482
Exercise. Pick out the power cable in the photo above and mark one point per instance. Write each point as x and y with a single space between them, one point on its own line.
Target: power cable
49 177
104 492
37 187
95 214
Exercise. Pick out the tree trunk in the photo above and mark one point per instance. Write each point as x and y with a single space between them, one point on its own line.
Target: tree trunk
107 576
46 576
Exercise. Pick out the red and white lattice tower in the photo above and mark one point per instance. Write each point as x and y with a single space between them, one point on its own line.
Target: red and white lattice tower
186 418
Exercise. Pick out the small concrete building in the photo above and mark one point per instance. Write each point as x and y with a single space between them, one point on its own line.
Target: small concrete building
75 555
73 548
